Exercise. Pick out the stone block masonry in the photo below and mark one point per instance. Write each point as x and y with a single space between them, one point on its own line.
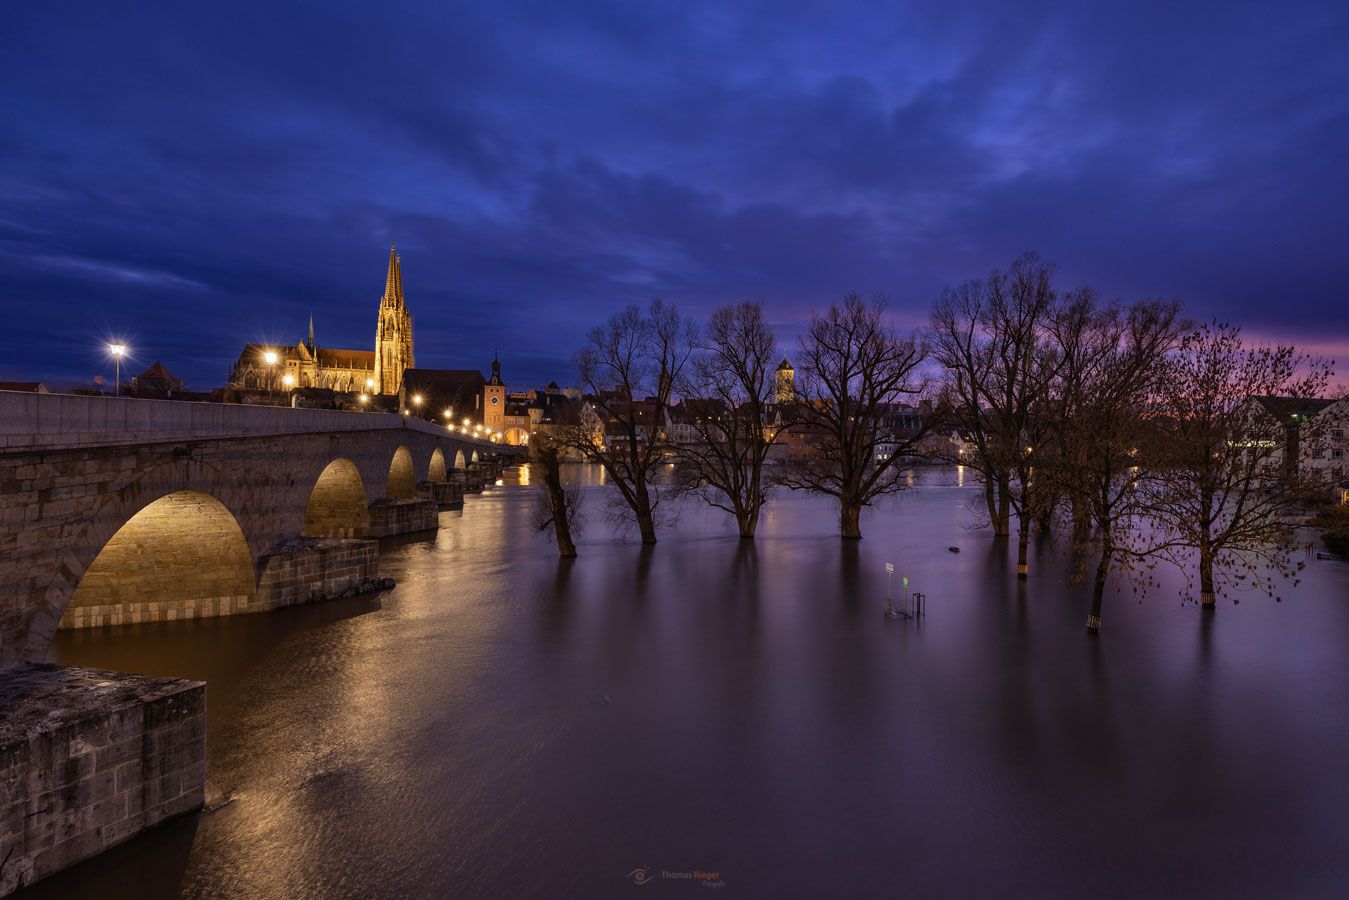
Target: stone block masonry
305 570
89 759
181 557
472 480
445 494
390 517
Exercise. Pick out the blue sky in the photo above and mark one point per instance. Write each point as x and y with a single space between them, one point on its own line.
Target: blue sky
190 177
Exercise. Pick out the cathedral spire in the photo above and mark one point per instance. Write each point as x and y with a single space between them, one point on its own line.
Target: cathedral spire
311 332
393 331
393 284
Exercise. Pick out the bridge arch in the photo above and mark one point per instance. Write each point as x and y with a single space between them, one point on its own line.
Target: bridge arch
459 461
473 457
182 555
402 482
337 504
435 472
517 436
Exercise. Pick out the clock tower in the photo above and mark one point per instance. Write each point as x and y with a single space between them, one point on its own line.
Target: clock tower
494 400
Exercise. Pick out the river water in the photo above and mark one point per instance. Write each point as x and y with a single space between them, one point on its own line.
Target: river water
503 724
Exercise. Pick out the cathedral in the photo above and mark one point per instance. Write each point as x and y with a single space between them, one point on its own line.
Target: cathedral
307 365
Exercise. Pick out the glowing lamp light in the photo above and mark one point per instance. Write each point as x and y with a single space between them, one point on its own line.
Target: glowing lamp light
365 398
117 351
370 383
269 357
416 399
288 380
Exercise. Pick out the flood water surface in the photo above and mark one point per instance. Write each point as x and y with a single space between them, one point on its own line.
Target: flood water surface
505 724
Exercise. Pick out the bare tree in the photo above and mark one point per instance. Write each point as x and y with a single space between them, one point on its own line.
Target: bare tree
1108 384
1222 480
993 338
628 368
559 506
727 395
858 371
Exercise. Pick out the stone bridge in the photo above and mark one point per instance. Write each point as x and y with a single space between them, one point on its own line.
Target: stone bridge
122 510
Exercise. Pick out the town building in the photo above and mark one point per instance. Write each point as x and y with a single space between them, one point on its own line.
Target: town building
1310 432
156 383
450 396
465 399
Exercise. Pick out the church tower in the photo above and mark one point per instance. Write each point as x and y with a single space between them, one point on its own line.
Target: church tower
494 400
393 333
784 386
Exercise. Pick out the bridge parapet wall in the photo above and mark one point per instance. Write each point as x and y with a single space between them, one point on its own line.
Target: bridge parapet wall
63 421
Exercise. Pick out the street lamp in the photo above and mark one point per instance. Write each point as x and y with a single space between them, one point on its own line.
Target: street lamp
117 351
365 398
269 358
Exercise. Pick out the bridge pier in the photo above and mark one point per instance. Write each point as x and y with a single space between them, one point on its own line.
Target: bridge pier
445 494
390 517
475 478
89 759
307 570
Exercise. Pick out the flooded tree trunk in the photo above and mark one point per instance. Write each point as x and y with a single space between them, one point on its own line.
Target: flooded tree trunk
552 477
1022 547
991 500
646 526
1002 525
850 519
1098 588
748 522
1207 598
646 520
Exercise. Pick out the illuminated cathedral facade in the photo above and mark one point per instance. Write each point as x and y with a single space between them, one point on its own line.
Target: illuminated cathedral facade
307 365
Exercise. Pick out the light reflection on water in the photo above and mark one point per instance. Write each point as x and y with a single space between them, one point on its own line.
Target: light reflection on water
507 724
